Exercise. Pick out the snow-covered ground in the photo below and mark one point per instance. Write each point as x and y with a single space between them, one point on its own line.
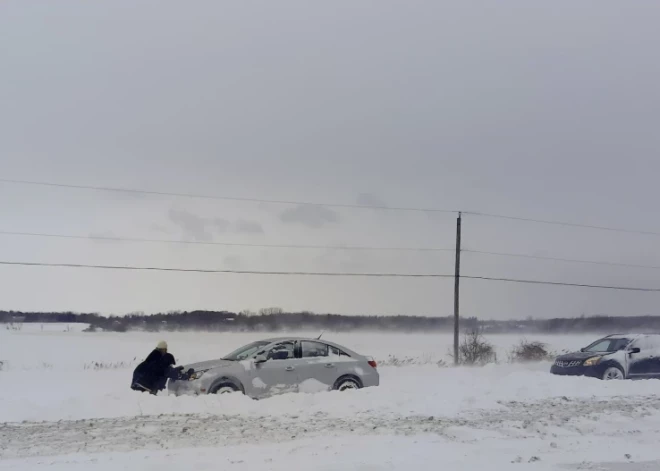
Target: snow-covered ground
65 346
65 404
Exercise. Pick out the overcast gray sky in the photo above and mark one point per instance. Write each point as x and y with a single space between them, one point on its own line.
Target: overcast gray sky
537 109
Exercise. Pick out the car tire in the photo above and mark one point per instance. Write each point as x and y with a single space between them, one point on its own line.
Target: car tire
225 388
612 373
347 383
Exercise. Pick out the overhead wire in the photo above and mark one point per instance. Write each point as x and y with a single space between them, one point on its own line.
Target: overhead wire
236 272
103 238
224 244
558 283
331 205
329 247
562 223
328 274
560 259
224 198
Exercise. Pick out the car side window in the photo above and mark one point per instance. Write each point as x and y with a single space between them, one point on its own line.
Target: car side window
314 349
282 351
335 352
642 343
653 341
648 342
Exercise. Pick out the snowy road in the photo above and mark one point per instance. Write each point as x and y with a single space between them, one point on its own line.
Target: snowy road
552 421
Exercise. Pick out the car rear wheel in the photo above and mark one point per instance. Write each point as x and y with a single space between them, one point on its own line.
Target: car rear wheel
225 388
613 372
347 384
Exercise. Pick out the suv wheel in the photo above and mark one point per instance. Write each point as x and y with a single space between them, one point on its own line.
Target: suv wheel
613 372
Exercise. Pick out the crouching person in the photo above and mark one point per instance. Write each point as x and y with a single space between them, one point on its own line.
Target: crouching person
151 375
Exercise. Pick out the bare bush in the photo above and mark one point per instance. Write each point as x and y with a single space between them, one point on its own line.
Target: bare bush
476 350
271 311
393 360
106 365
526 352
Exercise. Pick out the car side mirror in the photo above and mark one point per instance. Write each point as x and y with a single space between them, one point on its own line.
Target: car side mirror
633 350
582 349
261 358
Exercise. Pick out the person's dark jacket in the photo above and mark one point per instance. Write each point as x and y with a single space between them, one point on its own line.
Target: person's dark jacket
153 372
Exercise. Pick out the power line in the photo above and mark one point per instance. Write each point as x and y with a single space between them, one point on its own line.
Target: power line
338 274
331 205
224 198
561 223
558 259
236 272
559 283
225 244
321 247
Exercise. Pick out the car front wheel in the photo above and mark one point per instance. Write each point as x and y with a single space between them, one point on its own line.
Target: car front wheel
612 372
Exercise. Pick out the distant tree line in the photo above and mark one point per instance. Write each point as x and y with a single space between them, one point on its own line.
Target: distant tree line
276 319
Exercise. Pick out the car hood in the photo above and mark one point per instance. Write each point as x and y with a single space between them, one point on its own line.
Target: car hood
207 365
581 355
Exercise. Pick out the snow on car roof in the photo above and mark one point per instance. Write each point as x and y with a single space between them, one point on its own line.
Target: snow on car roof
625 336
280 339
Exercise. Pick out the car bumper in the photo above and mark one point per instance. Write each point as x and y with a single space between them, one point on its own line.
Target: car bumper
370 379
590 371
184 388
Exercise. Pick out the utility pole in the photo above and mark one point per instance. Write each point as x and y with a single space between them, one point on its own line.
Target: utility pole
457 278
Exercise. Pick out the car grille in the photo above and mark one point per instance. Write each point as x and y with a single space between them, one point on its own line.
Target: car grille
568 364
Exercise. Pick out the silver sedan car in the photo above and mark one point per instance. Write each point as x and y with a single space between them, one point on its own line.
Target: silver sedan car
275 366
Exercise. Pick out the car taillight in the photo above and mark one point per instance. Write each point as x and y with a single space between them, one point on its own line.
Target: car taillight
372 362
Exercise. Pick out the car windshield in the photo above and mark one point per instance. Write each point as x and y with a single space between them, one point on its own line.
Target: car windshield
246 351
607 345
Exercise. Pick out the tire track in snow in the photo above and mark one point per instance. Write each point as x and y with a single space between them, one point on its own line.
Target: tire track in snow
193 430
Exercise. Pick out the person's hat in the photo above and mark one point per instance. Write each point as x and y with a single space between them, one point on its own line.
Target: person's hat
162 345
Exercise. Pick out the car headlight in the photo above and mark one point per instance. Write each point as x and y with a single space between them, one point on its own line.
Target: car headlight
197 374
591 361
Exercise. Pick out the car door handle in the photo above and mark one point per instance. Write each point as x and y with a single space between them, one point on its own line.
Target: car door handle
329 365
289 368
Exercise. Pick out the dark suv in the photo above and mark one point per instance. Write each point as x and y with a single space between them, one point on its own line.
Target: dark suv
616 356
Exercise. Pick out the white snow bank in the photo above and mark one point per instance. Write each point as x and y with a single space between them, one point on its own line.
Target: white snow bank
65 390
430 391
312 386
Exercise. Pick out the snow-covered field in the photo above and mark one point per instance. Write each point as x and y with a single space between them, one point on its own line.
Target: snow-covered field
65 404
